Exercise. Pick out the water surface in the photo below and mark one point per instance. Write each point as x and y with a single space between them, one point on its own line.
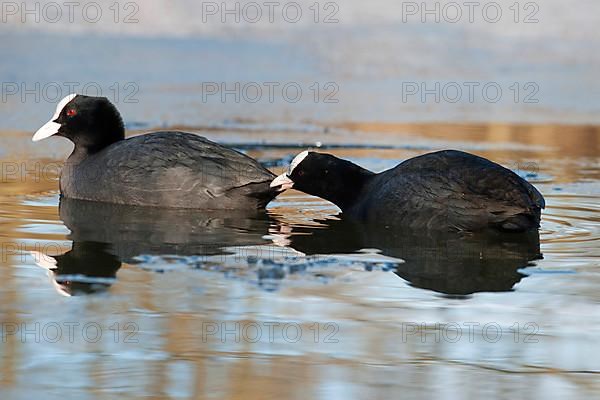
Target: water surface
98 302
194 305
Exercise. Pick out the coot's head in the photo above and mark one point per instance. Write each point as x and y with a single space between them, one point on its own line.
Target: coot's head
89 122
323 175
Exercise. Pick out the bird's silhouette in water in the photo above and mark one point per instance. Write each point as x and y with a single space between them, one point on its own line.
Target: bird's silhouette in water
452 263
104 236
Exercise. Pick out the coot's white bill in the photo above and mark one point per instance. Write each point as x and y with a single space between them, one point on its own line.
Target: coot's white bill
48 129
284 181
51 128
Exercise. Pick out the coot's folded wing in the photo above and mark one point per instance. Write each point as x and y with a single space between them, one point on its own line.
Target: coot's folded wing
147 169
459 190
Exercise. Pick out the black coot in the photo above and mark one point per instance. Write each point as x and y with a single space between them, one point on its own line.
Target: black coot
161 169
449 190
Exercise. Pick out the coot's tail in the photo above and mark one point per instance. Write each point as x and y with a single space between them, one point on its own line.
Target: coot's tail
259 192
528 218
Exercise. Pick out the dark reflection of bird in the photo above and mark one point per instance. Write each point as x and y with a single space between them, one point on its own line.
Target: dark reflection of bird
105 235
447 262
88 267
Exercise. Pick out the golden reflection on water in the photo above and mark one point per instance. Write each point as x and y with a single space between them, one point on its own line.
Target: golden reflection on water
561 147
173 359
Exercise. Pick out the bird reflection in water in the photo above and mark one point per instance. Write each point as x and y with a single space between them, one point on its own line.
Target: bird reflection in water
455 264
89 267
106 235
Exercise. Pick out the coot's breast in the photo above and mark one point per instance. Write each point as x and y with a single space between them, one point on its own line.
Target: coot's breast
169 169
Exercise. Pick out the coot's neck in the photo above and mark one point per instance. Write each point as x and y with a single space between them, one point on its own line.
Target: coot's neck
78 154
88 143
344 186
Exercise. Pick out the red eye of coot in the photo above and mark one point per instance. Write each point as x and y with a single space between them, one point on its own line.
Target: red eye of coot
300 173
71 112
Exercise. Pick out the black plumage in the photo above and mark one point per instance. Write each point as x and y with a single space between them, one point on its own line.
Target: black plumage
161 169
450 190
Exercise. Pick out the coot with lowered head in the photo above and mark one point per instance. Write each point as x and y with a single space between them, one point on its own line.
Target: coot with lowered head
161 169
449 190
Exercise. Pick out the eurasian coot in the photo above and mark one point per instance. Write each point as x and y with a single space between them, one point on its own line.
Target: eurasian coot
450 190
162 169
